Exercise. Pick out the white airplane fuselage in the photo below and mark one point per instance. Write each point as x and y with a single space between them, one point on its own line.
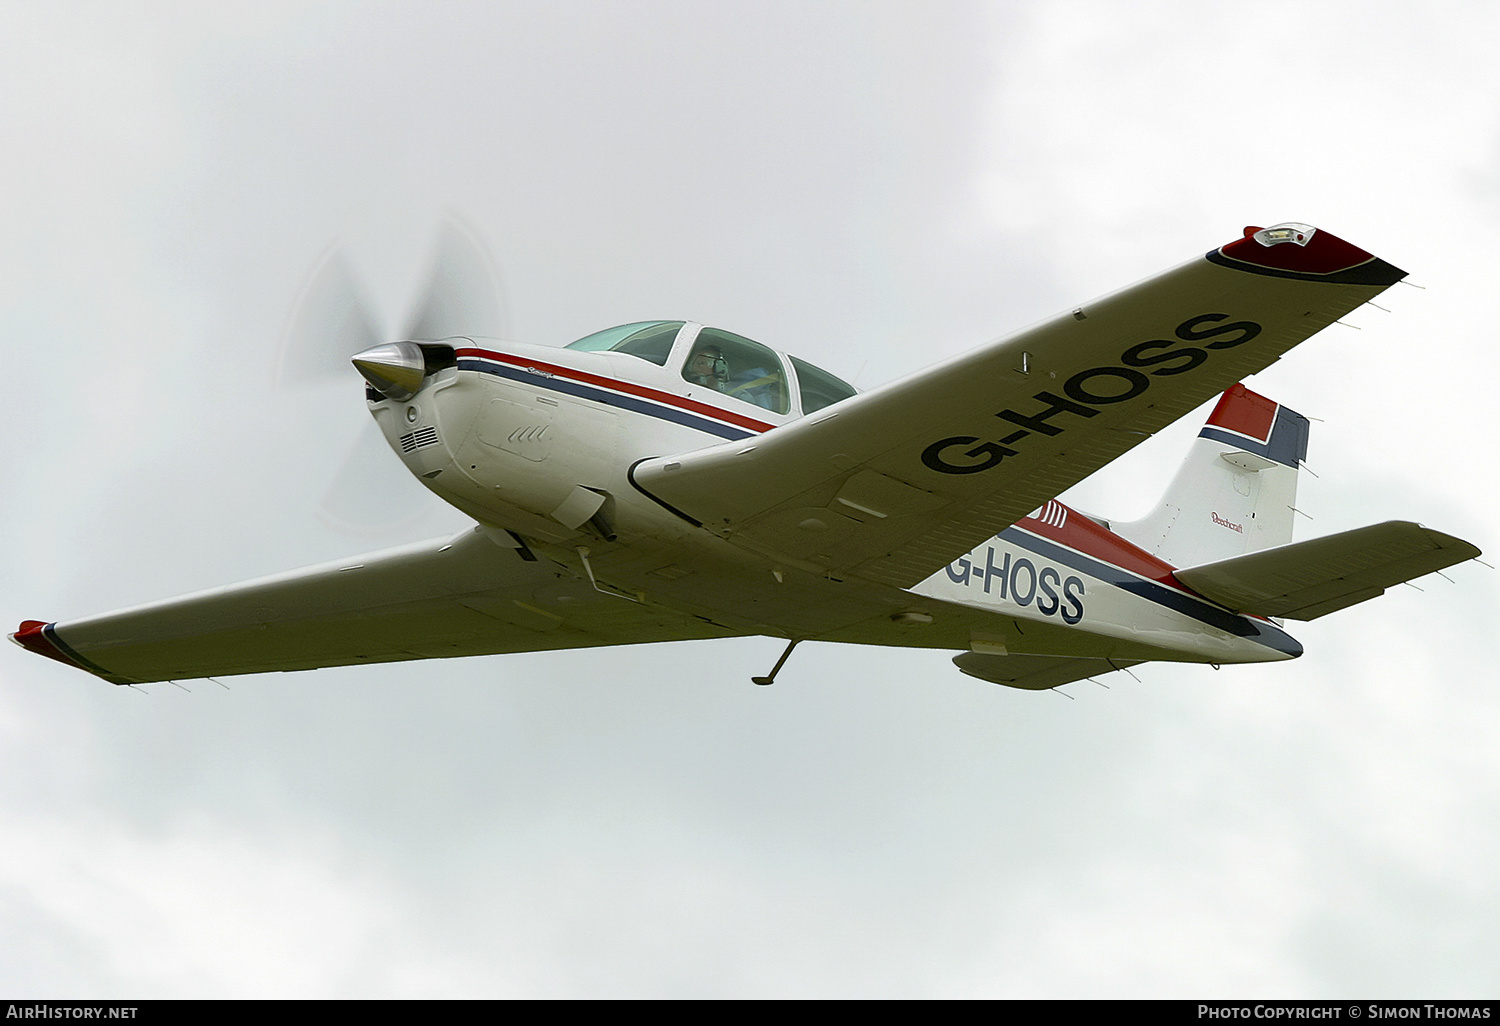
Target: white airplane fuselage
537 443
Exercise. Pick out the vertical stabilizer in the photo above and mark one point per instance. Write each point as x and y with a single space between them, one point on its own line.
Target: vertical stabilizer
1235 491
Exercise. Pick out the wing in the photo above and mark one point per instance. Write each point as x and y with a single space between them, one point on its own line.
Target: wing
893 483
464 596
1309 579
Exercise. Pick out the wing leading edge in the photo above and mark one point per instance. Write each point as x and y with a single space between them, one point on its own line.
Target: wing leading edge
448 597
894 483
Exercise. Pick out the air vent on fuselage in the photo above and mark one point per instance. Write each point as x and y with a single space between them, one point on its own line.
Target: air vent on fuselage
418 439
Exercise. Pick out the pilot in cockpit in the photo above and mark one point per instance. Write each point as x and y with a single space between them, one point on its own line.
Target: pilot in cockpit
708 367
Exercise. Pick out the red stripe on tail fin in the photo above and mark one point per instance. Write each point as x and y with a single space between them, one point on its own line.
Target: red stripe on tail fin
1245 412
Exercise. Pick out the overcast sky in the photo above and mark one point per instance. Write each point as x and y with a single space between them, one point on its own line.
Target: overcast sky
872 186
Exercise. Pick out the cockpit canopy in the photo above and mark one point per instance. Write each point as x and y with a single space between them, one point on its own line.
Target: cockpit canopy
727 363
650 340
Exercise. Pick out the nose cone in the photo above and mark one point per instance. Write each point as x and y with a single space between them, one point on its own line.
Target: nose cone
395 369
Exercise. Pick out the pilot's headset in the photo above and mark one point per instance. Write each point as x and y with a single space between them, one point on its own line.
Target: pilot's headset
718 363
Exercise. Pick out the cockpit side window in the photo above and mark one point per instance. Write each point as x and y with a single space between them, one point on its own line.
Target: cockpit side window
739 368
649 340
819 388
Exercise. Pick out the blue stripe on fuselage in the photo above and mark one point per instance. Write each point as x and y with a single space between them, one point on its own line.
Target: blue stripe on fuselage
1230 623
618 400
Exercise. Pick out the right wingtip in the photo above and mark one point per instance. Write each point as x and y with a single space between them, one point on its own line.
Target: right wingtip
1294 250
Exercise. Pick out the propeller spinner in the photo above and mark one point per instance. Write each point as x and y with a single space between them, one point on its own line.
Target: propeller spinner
395 369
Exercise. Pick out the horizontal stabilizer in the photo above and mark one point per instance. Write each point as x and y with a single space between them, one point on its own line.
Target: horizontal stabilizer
1034 672
1309 579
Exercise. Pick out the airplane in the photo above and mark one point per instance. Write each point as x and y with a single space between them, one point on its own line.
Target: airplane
667 480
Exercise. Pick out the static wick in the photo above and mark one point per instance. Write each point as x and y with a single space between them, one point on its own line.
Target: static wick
1098 682
178 686
1376 306
1059 691
1483 563
1356 327
1310 470
1414 285
132 687
1411 585
1443 576
1294 509
220 683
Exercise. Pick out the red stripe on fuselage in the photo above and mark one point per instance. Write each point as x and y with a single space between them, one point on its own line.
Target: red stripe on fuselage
656 395
1082 534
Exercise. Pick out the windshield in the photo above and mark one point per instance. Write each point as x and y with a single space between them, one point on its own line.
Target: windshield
739 368
818 387
649 340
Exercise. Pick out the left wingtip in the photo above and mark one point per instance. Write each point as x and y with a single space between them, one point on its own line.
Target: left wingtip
32 636
38 636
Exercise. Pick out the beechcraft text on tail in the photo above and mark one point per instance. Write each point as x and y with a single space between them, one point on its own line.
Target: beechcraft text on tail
668 480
